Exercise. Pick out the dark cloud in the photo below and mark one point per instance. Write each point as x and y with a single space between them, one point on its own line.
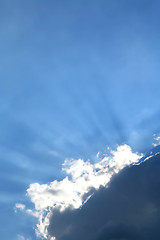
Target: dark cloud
128 209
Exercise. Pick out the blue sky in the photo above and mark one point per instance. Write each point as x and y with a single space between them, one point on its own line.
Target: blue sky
75 77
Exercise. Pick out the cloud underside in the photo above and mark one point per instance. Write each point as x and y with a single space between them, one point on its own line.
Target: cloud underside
129 209
71 194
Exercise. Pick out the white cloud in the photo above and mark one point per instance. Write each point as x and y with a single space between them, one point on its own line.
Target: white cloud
157 140
22 207
19 206
81 177
33 213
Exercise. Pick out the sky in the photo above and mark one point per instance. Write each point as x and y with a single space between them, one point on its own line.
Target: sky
79 119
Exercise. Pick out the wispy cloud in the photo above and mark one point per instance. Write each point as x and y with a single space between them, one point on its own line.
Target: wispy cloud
156 140
21 237
19 206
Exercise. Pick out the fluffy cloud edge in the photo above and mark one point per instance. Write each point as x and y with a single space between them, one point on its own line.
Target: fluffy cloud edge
81 176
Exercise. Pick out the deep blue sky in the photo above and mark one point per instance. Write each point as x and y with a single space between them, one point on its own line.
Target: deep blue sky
75 77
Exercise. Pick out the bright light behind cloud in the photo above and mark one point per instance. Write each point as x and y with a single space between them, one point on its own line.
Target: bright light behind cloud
81 177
